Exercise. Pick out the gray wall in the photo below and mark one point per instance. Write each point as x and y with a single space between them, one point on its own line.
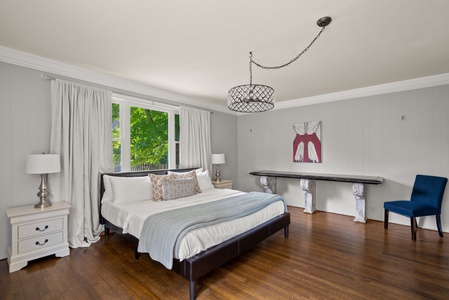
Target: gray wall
364 136
25 129
224 140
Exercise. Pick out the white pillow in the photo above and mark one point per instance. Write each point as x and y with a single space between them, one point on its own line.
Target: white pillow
131 189
197 171
107 195
204 180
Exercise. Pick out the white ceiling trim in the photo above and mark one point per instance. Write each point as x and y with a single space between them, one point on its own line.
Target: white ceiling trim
27 60
56 68
393 87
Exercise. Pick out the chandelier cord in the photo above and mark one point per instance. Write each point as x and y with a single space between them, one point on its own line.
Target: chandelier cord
287 63
252 98
251 69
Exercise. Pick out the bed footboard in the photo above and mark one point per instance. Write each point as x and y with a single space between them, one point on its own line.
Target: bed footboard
207 261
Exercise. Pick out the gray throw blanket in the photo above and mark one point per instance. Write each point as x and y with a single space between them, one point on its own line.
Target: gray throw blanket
163 232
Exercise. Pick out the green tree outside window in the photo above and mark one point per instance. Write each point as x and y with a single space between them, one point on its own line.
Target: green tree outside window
148 138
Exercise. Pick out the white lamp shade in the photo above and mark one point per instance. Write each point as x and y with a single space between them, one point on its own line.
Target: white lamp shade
218 159
43 164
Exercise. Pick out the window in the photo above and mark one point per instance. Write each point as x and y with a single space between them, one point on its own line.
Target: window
145 135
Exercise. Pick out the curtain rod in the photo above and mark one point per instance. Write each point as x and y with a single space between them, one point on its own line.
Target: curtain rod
48 77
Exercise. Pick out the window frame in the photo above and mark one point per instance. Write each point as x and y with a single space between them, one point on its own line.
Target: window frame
126 102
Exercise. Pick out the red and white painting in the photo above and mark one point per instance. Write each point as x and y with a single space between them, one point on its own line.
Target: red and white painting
307 142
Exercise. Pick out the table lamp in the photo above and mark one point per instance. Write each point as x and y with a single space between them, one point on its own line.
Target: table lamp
218 159
43 164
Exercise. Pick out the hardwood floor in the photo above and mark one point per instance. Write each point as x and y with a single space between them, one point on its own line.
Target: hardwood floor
327 256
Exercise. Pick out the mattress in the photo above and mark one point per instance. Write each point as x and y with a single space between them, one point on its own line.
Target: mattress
131 217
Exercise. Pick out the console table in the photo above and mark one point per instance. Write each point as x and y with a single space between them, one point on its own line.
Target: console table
308 185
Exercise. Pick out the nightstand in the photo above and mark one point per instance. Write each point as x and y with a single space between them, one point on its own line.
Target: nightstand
223 184
37 233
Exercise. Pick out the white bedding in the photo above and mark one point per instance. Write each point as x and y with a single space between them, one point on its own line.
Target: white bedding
131 216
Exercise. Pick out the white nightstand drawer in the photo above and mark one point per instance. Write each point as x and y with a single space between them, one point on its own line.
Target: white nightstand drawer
39 228
40 242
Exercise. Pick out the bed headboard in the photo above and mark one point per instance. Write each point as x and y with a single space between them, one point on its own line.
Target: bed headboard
135 174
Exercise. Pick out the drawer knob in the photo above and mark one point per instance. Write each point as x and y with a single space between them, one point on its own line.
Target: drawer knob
39 244
45 228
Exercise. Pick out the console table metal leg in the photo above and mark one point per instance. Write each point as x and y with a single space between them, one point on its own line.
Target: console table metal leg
358 190
309 187
269 184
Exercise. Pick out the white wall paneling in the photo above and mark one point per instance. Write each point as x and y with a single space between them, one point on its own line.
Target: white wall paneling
5 154
25 128
363 136
223 139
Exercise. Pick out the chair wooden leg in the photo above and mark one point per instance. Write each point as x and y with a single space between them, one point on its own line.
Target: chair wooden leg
413 227
386 219
440 230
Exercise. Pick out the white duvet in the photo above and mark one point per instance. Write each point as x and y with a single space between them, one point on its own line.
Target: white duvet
131 216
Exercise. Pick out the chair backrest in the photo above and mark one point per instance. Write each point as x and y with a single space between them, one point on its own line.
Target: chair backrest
429 190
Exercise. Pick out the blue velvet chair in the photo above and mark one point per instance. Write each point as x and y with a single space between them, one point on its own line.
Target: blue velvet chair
426 199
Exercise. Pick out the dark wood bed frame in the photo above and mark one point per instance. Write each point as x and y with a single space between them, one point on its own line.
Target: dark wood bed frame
212 258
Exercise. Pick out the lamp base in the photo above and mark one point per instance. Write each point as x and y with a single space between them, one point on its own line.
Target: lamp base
217 175
43 203
43 193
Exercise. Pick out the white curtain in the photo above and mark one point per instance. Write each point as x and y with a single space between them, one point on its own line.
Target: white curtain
81 134
195 147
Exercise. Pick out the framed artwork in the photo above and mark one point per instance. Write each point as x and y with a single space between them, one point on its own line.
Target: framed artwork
307 142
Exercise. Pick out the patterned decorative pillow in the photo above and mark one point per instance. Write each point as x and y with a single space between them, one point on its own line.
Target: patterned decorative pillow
185 175
157 185
177 188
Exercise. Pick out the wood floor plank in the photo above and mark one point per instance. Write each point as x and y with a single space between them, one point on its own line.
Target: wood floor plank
327 256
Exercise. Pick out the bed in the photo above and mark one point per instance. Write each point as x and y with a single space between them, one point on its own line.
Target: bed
128 219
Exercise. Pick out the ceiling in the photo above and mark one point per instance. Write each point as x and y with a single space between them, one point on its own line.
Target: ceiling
199 48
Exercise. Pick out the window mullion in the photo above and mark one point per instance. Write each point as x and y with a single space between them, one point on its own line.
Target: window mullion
171 141
125 117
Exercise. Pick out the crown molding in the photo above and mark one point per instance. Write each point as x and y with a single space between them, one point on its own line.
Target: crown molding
118 84
393 87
